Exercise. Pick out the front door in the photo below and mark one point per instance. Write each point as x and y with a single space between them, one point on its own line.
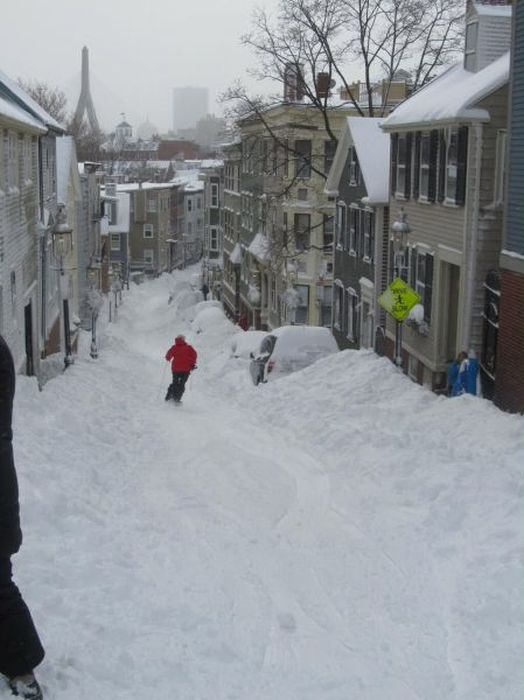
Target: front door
451 290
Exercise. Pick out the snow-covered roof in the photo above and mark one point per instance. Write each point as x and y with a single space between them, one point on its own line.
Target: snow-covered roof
13 111
452 96
133 186
236 255
26 102
372 146
259 247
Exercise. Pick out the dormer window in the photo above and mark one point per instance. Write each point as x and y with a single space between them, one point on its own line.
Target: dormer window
472 31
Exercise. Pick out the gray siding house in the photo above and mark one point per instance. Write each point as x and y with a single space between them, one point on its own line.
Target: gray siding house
359 180
447 164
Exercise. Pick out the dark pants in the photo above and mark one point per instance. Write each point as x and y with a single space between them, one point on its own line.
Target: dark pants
20 646
178 386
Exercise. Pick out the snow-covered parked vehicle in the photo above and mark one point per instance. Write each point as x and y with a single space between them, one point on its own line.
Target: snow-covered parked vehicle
289 349
246 343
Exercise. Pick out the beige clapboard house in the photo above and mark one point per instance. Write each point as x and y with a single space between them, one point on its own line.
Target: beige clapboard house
447 175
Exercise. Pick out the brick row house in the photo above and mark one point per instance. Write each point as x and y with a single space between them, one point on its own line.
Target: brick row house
448 150
232 215
507 321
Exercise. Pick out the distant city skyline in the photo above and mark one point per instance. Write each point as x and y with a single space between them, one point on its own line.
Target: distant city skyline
138 53
190 104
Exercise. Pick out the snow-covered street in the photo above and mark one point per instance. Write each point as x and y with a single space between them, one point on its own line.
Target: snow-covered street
338 534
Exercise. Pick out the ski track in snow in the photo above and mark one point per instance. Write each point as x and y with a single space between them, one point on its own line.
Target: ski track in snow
241 547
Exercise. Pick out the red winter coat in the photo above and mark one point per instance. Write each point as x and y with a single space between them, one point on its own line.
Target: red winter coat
182 355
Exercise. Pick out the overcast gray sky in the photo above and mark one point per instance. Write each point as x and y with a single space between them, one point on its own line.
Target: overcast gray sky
138 49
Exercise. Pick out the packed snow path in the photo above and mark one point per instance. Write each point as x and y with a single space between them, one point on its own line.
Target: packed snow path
338 534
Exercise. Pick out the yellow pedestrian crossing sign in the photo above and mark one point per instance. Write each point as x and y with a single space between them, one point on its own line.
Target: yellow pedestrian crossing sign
398 299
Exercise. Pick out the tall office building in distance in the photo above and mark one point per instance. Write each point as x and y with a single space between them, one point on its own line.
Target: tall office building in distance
190 104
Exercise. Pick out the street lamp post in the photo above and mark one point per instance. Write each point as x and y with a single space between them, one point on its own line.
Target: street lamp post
62 243
399 230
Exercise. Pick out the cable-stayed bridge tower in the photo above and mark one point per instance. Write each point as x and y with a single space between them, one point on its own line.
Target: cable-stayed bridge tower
85 106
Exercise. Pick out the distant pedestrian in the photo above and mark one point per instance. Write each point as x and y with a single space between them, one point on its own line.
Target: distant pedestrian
183 359
20 647
205 291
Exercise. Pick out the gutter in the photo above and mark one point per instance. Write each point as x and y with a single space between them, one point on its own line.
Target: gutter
471 249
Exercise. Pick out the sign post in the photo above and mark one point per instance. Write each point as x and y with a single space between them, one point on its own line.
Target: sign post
398 299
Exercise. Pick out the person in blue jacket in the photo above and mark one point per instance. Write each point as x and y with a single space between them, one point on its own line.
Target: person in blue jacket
464 375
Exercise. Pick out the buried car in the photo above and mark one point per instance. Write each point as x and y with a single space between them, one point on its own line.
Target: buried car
288 349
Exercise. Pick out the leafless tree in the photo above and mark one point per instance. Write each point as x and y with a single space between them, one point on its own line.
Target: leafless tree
50 98
380 37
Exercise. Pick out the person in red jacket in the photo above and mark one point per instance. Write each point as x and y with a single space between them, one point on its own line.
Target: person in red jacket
183 359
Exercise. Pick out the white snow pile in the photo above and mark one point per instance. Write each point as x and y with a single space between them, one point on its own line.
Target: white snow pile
339 533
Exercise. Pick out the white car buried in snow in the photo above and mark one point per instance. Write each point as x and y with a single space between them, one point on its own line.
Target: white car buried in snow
288 349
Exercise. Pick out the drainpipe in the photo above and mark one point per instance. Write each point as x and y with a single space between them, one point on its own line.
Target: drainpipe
470 247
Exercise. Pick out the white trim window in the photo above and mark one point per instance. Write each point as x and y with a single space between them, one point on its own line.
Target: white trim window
425 165
115 241
149 231
451 165
402 153
500 167
213 238
470 50
302 226
151 204
368 221
214 195
354 168
338 305
352 314
341 224
302 310
354 229
149 256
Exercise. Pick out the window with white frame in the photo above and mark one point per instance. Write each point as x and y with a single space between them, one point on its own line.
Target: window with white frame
327 231
151 204
326 304
368 219
213 238
425 165
421 263
149 256
341 224
338 305
500 166
352 314
149 231
354 229
214 195
301 312
302 231
303 158
115 241
451 164
402 151
354 168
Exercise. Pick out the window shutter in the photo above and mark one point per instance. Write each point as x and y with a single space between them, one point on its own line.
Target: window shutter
413 267
441 166
428 294
394 160
416 169
433 152
462 156
409 149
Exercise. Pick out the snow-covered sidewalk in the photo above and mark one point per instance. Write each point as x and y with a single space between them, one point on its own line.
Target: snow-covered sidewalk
341 533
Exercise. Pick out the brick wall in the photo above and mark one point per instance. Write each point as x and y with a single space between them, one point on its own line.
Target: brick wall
509 384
